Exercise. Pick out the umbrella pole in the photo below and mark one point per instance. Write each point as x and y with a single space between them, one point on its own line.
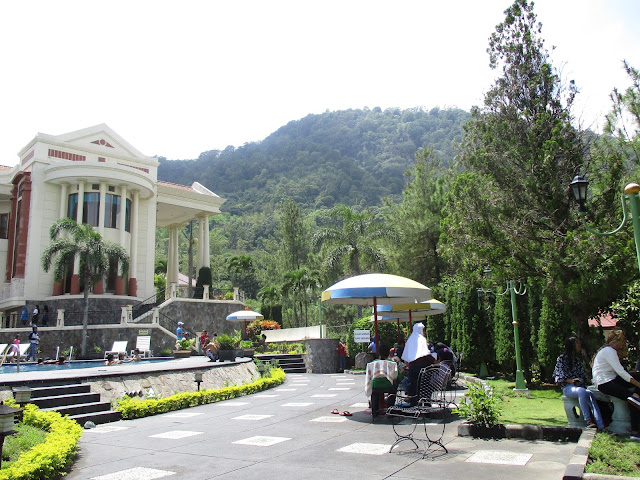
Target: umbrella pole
398 330
410 322
375 319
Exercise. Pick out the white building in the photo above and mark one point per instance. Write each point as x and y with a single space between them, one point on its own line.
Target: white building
92 176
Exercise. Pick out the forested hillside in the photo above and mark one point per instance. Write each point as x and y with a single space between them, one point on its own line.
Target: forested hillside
354 157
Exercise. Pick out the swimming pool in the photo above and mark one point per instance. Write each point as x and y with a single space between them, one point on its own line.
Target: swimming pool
74 365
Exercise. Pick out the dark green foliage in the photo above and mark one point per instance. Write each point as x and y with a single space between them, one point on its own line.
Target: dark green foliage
355 157
417 220
388 334
554 328
503 334
627 311
272 312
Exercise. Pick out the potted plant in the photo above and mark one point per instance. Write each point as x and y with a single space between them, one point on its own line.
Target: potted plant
96 352
247 348
482 409
228 346
183 349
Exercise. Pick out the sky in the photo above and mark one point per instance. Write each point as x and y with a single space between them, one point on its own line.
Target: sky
179 78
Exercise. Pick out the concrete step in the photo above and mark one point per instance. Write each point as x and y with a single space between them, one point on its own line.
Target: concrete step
81 408
97 417
295 370
59 390
63 400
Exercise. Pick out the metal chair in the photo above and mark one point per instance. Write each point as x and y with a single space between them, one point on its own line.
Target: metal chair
429 402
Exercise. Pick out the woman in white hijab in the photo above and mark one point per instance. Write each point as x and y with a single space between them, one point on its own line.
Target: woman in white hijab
416 353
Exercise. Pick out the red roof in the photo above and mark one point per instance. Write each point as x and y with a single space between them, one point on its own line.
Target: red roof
605 319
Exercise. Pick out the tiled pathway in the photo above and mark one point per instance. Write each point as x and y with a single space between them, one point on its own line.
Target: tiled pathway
289 432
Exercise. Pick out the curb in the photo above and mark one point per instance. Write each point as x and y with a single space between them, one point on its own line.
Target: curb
525 432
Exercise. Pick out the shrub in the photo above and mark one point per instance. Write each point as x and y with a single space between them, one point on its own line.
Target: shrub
229 342
255 328
51 458
137 408
480 406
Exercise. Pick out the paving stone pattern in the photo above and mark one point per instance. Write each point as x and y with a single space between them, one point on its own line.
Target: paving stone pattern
291 433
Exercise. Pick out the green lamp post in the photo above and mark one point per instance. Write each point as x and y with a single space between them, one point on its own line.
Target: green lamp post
631 194
513 289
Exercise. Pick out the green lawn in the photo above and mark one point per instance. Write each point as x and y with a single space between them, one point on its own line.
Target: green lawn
608 455
543 407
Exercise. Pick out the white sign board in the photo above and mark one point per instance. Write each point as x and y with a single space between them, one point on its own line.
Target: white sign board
361 336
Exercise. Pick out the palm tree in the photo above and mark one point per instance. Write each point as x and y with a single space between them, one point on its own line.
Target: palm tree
93 253
354 240
299 285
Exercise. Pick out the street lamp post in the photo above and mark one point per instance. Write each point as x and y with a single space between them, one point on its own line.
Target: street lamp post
513 289
631 193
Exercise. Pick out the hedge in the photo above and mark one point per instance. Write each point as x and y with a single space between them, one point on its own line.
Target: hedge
136 408
51 458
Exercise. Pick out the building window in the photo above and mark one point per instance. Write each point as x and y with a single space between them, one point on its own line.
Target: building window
91 210
127 218
4 225
112 211
72 209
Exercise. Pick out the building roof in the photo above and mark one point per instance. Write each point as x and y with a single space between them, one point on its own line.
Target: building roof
604 319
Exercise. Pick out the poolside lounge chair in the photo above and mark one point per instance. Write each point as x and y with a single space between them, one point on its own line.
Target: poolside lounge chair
117 349
24 350
143 345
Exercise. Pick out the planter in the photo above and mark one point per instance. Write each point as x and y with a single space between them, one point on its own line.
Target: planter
181 353
224 355
248 352
527 432
481 431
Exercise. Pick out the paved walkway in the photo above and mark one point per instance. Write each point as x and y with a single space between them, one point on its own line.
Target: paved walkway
289 433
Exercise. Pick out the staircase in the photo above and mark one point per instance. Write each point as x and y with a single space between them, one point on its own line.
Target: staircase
288 362
77 401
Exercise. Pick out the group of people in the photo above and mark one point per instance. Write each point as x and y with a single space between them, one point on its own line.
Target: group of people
609 377
35 316
210 346
111 359
410 358
13 349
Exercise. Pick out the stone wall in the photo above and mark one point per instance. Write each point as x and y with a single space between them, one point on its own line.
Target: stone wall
196 315
322 355
164 384
210 315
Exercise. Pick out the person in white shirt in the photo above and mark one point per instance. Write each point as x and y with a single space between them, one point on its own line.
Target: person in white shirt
611 378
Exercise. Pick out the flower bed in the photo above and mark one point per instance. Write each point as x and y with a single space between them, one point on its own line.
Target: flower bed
51 458
136 408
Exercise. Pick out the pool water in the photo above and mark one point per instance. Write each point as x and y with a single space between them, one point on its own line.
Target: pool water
74 365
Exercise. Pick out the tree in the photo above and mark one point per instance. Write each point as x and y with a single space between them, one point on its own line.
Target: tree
352 244
242 272
511 208
93 253
299 286
293 235
417 219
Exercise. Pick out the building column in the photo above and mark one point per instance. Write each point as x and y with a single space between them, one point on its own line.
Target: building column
199 253
172 260
64 199
123 223
206 257
75 278
133 277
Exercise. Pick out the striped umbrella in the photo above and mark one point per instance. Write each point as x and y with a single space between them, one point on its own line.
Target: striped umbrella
367 289
244 316
409 312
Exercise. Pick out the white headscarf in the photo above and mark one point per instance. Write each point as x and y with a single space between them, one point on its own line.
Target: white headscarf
416 345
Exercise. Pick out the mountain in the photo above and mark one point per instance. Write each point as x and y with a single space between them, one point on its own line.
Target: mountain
355 157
